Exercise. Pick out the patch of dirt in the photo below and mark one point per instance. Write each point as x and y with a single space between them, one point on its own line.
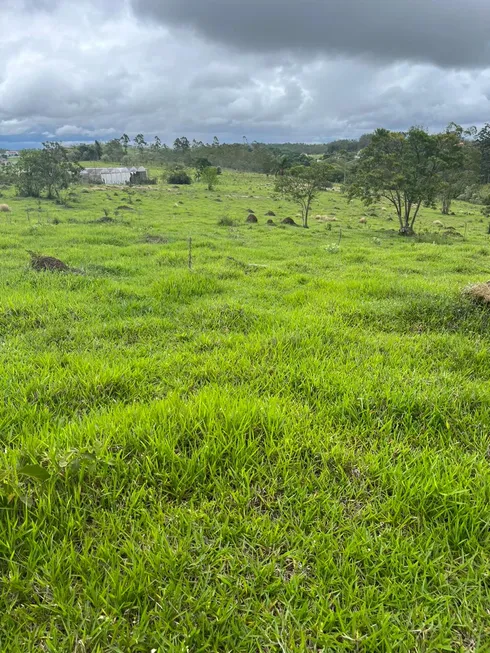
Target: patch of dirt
249 211
42 263
289 221
271 213
154 239
252 218
453 233
271 223
125 207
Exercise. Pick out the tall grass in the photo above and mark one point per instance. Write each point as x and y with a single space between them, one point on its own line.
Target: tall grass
284 449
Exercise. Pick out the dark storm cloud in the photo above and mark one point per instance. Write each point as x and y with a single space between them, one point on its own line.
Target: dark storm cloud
84 69
449 33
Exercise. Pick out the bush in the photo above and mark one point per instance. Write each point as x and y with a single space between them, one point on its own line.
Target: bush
226 221
179 177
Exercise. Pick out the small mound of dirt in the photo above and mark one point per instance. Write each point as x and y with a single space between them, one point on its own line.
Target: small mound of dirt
289 221
5 208
271 223
249 210
271 213
154 239
452 233
40 263
125 207
480 292
252 218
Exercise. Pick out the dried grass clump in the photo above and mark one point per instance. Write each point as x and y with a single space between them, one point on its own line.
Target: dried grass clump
5 208
479 292
326 218
362 220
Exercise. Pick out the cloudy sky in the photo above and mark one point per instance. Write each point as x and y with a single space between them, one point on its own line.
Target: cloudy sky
271 70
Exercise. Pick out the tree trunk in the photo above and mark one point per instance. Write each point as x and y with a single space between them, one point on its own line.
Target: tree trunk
305 217
446 205
406 230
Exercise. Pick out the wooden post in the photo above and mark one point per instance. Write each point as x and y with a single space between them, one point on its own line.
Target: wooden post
190 253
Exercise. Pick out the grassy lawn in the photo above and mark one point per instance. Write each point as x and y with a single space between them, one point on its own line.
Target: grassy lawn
285 449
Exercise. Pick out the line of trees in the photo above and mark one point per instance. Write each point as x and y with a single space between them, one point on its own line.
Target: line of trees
245 156
408 169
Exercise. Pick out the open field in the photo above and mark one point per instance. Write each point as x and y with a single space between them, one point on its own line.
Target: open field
285 449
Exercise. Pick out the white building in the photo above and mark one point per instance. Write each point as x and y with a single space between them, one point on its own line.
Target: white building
114 176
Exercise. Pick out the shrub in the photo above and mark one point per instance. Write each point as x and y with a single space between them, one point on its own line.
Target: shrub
226 221
179 177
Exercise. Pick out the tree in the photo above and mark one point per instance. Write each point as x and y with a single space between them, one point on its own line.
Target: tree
113 151
157 144
124 140
454 181
98 150
210 176
483 143
200 164
47 170
302 184
405 169
182 145
139 141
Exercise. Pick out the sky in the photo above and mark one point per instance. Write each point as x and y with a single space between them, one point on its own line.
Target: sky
269 70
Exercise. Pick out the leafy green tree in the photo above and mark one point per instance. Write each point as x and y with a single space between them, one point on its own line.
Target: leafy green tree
483 143
48 170
302 184
405 169
157 143
200 165
454 181
139 141
210 177
182 145
125 140
113 150
98 150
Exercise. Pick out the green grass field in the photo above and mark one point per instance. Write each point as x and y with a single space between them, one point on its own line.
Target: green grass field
285 449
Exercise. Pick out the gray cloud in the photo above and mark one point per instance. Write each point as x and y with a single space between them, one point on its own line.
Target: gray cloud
444 32
76 69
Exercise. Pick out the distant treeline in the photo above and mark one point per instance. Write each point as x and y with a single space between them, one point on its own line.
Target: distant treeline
251 157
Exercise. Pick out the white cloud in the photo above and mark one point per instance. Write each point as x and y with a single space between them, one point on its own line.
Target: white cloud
92 70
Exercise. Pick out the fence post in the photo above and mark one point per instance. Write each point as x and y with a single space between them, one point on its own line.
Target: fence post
190 253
